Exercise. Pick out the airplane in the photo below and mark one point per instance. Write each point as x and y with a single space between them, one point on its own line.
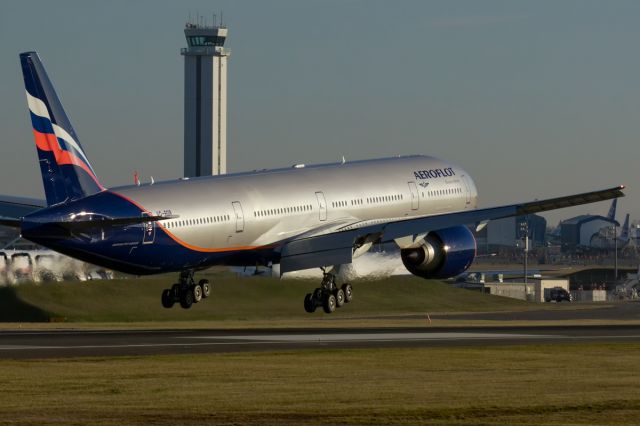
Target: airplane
624 233
316 216
611 215
605 238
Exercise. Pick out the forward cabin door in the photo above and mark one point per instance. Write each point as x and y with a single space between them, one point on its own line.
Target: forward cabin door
322 205
149 229
466 188
415 199
237 209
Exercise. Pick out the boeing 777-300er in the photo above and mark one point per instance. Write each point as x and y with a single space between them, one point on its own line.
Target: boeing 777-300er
320 216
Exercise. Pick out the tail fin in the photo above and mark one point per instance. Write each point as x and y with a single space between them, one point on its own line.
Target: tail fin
612 210
66 172
624 233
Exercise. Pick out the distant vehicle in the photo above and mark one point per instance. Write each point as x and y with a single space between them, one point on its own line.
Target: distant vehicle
556 294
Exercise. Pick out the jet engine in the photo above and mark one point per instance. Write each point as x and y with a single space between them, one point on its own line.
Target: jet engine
444 253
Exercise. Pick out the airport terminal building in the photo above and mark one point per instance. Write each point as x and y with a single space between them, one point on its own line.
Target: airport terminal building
507 234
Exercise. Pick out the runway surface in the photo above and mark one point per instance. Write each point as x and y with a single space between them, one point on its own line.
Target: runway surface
64 343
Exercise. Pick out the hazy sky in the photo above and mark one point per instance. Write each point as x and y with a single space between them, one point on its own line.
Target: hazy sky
535 99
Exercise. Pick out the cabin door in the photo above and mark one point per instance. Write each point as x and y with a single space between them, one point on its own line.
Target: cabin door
237 209
466 189
149 231
415 199
322 205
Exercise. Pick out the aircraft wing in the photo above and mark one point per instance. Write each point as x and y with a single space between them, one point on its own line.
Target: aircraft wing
337 247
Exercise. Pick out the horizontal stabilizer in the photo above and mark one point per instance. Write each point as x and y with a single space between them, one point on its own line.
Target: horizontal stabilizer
19 206
88 221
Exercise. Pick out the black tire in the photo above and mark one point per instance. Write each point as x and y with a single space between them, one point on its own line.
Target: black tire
318 295
186 298
167 298
175 290
206 288
348 293
309 303
339 298
329 303
197 293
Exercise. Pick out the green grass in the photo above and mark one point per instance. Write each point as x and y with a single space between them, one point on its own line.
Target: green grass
234 298
559 384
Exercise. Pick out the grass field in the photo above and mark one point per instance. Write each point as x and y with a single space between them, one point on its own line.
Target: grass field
557 384
234 298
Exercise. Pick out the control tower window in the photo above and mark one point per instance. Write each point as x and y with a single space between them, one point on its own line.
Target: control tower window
205 41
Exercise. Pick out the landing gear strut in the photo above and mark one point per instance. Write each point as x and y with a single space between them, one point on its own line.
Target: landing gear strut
186 291
328 295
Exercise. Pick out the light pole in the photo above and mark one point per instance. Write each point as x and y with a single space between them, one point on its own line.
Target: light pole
524 230
615 256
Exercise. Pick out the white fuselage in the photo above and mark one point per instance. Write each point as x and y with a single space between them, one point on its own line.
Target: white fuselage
262 208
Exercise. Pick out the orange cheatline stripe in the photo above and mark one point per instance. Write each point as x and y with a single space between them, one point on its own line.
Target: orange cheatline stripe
190 246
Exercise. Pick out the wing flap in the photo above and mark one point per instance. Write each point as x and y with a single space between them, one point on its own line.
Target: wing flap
328 249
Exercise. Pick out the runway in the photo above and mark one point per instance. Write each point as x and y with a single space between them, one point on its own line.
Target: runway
80 343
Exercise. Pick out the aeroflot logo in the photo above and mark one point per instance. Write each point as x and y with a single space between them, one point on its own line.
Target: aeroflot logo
433 173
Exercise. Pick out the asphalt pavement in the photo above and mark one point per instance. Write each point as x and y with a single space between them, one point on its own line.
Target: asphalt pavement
80 343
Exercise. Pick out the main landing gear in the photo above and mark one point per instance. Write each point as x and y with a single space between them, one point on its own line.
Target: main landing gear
186 291
328 295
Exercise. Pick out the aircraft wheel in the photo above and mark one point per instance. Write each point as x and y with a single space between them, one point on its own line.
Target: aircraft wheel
186 298
339 298
206 288
175 290
197 293
348 293
318 296
167 298
309 303
329 303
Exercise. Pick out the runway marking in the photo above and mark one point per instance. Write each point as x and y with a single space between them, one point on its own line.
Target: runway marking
285 339
141 345
369 337
293 339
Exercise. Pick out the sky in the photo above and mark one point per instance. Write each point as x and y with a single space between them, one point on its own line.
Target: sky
535 99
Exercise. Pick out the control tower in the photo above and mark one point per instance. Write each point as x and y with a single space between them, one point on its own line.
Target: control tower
205 100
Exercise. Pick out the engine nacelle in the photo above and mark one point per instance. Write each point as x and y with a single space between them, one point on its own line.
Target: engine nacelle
443 254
